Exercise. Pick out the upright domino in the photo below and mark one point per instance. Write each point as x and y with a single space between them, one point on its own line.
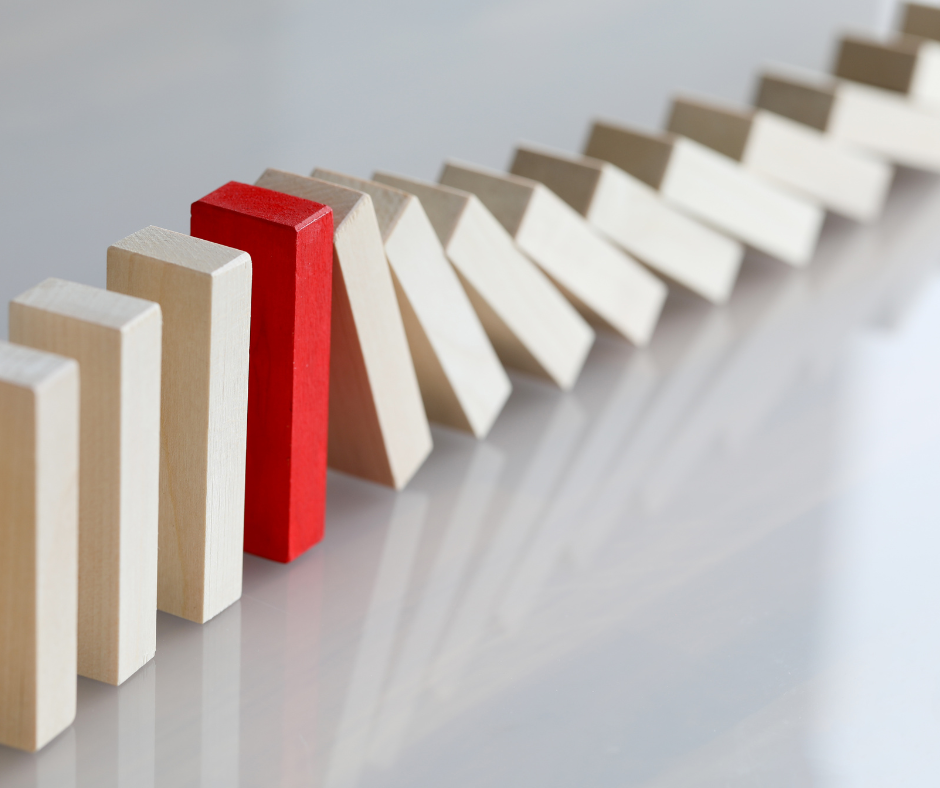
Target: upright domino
204 291
635 217
462 382
378 427
907 65
714 189
606 286
116 341
844 180
880 121
289 241
921 20
531 325
38 545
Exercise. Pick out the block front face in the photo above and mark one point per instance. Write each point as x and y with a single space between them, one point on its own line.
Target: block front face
290 241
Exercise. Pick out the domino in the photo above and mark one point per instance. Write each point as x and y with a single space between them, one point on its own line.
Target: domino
907 65
846 181
116 340
634 216
921 20
714 189
609 288
880 121
531 325
39 412
462 382
378 427
289 242
204 291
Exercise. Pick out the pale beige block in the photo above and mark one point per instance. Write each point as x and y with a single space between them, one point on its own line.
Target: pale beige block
847 181
462 381
204 291
116 340
634 216
906 64
378 427
607 286
39 411
531 325
714 189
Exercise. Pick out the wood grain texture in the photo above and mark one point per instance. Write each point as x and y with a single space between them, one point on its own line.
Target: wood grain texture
531 325
906 64
204 291
608 287
116 339
39 425
378 427
634 216
463 384
714 189
289 241
845 180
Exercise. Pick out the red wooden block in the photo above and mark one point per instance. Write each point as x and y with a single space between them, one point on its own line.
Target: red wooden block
290 241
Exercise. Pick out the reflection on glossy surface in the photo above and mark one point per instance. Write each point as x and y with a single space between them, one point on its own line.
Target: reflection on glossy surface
712 564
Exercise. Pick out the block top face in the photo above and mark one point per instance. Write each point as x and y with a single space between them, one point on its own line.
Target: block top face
643 154
30 369
808 100
89 304
267 205
183 250
389 203
884 65
921 20
507 197
342 201
443 205
574 178
723 129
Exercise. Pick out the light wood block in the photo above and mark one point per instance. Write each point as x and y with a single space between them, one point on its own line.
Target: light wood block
462 382
608 287
880 121
378 427
921 20
39 411
635 217
531 325
116 341
204 291
845 180
714 189
907 65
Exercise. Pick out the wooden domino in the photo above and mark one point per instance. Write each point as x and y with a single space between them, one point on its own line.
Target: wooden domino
204 291
39 424
877 120
844 180
378 427
116 339
531 325
921 20
907 65
714 189
609 288
634 216
462 381
289 241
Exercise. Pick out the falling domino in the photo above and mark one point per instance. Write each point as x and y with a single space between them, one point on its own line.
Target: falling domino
921 20
531 325
204 291
378 427
116 341
907 65
462 381
846 181
714 189
635 217
605 285
290 245
38 545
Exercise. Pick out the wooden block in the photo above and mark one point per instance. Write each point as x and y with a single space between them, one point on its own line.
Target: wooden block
876 120
378 427
462 382
116 341
844 180
608 287
921 20
634 216
204 291
907 65
39 410
531 325
714 189
290 244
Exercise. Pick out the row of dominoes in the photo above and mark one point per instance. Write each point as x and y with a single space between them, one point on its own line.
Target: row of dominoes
153 431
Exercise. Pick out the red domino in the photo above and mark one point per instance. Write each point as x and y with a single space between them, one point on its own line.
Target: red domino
290 241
